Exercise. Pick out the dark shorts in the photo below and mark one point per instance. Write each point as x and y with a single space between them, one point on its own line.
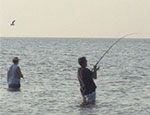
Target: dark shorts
14 86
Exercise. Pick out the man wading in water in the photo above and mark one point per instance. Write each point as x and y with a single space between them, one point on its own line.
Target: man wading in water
87 85
14 74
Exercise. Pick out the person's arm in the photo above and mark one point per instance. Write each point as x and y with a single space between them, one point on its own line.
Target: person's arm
94 73
20 73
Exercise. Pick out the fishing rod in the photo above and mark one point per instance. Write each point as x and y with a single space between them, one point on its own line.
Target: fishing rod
112 46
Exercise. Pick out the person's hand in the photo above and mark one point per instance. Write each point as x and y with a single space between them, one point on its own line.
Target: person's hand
95 67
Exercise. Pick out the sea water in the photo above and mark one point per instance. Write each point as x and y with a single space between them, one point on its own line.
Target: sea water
51 87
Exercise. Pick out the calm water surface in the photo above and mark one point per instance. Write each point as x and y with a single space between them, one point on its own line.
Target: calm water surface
51 87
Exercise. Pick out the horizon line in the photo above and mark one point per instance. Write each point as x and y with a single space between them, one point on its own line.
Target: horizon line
71 37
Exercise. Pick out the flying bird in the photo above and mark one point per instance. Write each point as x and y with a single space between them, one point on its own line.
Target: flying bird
12 24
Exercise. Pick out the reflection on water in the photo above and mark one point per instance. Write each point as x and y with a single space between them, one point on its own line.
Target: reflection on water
13 89
51 87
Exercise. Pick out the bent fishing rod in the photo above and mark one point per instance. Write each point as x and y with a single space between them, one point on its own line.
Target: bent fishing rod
111 47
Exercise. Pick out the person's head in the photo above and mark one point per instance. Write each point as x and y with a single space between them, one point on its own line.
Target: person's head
15 60
82 61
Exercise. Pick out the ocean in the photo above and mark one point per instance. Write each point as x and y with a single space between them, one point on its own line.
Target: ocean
51 87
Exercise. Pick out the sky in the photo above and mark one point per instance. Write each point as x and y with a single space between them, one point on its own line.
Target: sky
74 18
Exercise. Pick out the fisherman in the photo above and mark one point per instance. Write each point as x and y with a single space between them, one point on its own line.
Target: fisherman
14 74
87 85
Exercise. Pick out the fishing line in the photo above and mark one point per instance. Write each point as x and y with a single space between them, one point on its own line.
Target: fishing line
112 46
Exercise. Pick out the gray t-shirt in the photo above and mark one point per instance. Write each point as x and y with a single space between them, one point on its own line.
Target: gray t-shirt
12 75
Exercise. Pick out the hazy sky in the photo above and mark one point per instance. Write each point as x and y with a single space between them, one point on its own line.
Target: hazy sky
75 18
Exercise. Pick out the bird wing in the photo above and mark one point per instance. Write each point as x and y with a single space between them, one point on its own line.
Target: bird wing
13 21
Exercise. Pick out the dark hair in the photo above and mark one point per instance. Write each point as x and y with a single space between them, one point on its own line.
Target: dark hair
81 61
15 61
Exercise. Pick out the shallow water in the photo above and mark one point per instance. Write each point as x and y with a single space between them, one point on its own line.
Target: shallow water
51 87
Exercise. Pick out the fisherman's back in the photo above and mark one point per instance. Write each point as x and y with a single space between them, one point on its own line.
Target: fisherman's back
87 84
12 76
